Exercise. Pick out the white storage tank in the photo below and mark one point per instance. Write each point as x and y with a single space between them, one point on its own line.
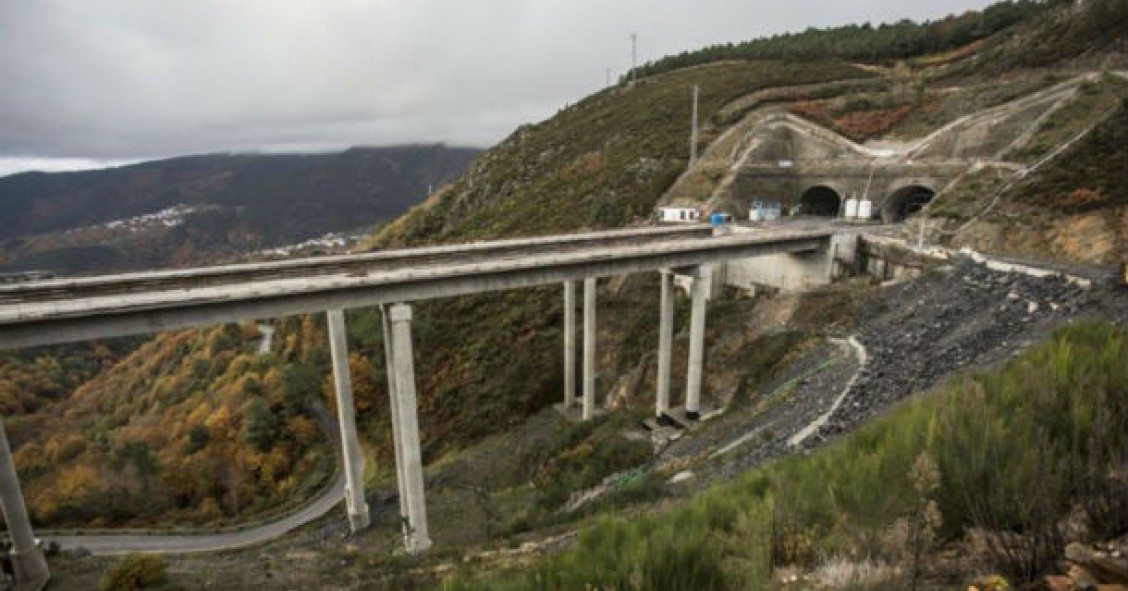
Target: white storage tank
851 208
865 209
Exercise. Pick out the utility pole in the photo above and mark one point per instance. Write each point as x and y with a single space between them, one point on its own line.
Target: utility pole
608 84
634 56
693 130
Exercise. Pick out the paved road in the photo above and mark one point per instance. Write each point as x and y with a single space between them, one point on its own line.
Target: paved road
225 540
203 542
267 333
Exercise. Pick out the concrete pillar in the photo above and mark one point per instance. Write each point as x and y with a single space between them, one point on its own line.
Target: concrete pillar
665 343
419 539
589 348
700 292
346 416
569 343
393 395
28 563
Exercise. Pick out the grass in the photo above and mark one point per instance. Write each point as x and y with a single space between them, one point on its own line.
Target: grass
1015 450
969 196
1093 100
1095 164
944 104
602 162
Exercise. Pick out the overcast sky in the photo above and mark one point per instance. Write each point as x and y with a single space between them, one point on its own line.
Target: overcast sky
86 82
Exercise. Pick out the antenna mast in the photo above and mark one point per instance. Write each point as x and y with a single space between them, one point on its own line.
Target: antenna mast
634 56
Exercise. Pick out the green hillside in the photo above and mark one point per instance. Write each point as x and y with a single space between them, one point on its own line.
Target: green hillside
603 162
600 163
1047 429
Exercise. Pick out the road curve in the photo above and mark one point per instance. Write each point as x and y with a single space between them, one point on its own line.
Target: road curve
205 541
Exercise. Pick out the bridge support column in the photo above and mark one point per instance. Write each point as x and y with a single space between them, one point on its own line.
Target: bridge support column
393 396
665 343
418 538
569 343
29 566
700 292
346 415
589 348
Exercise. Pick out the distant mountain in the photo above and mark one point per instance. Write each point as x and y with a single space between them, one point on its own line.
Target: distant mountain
197 209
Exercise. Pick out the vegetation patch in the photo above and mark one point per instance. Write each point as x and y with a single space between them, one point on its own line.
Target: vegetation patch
887 41
602 162
859 119
1095 165
1094 100
1048 428
193 427
134 572
968 197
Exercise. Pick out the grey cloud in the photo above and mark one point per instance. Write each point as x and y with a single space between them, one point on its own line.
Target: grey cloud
120 79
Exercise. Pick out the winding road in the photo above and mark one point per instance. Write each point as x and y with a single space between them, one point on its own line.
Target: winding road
157 542
203 542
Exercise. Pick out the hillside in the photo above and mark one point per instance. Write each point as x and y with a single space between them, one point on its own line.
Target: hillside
935 481
192 427
600 163
199 209
608 159
1075 208
582 169
603 162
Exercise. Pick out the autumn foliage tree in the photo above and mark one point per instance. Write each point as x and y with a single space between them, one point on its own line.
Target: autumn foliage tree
193 427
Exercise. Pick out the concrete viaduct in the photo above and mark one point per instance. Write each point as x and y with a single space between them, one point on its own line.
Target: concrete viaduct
77 309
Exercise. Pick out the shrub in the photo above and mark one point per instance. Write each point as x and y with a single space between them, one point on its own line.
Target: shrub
133 572
1008 452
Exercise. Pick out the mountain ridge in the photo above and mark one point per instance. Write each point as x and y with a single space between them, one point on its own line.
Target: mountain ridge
246 202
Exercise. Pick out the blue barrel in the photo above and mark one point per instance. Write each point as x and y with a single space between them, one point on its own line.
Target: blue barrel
717 219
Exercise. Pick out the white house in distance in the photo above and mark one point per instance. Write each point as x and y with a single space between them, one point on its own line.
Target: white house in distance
680 214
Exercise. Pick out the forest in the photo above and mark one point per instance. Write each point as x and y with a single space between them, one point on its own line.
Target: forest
868 43
193 427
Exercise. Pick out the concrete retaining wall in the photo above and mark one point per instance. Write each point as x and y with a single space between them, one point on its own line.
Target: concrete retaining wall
787 272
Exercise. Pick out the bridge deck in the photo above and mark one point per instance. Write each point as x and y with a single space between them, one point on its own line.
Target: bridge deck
81 309
66 288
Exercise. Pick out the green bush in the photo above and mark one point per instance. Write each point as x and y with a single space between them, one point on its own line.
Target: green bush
133 572
1015 450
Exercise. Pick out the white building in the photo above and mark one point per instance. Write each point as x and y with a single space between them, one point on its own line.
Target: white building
678 214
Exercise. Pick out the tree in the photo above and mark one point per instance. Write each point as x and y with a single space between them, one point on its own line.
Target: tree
259 424
197 439
365 395
300 382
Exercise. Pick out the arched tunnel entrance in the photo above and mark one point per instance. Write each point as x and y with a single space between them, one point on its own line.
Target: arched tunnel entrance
904 202
820 201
